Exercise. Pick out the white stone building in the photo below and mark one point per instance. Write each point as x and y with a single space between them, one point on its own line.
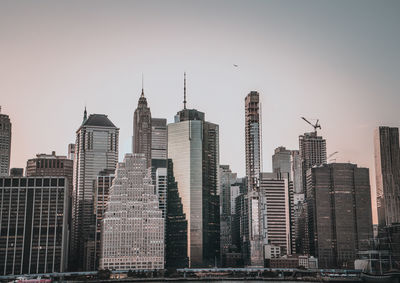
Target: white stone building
133 227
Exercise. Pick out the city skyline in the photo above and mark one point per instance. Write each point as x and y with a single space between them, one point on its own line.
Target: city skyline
301 69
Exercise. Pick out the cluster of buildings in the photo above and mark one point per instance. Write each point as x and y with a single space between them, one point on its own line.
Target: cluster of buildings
171 204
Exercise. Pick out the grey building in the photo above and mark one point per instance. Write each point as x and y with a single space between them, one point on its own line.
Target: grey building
33 225
5 144
193 146
387 169
142 129
96 149
339 214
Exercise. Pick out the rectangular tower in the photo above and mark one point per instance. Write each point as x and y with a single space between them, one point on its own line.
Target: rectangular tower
387 168
5 144
339 213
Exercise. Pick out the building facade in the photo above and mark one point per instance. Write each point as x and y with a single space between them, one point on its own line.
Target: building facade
133 227
142 129
5 144
387 169
339 213
96 149
193 146
34 225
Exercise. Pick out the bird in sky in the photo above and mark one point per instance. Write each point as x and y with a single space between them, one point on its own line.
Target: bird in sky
235 65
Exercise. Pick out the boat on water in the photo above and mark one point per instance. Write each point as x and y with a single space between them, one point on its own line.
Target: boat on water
391 277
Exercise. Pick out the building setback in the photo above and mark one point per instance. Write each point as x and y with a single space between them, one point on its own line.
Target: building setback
387 168
5 144
33 225
96 149
133 227
339 213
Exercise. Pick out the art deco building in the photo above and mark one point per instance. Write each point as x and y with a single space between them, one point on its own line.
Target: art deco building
176 241
387 168
339 213
133 227
193 146
5 144
96 149
33 225
142 129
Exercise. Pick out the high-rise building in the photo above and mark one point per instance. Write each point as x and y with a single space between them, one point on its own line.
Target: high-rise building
5 144
387 168
312 152
71 151
34 225
228 194
275 191
17 172
96 149
51 165
176 241
142 129
133 228
339 213
193 146
253 245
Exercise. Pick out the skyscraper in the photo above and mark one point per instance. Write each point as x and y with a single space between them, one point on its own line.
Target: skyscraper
339 213
253 238
133 227
96 149
142 129
5 144
312 152
193 146
34 225
387 168
176 240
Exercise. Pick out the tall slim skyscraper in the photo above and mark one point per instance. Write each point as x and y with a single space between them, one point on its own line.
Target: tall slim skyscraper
312 152
133 227
34 225
253 238
142 129
339 213
193 146
5 144
96 149
387 168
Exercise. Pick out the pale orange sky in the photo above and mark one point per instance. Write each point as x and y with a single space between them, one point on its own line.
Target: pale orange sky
338 61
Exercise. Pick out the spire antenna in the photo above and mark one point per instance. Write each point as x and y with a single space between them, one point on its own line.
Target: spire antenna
142 86
184 90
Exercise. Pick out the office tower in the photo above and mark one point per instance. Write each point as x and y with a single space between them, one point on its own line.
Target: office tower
274 188
387 168
33 225
5 144
142 129
133 228
281 161
253 245
312 152
193 146
96 149
17 172
296 171
159 143
339 213
228 193
51 165
71 151
176 241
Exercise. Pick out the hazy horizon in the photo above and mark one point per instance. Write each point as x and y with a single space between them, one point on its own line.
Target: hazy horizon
337 61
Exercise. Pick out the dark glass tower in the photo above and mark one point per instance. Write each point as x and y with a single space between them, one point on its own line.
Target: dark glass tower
5 144
142 129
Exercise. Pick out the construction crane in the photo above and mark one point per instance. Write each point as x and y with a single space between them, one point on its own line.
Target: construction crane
316 126
330 156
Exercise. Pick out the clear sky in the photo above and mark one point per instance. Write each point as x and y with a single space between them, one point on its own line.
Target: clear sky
338 61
